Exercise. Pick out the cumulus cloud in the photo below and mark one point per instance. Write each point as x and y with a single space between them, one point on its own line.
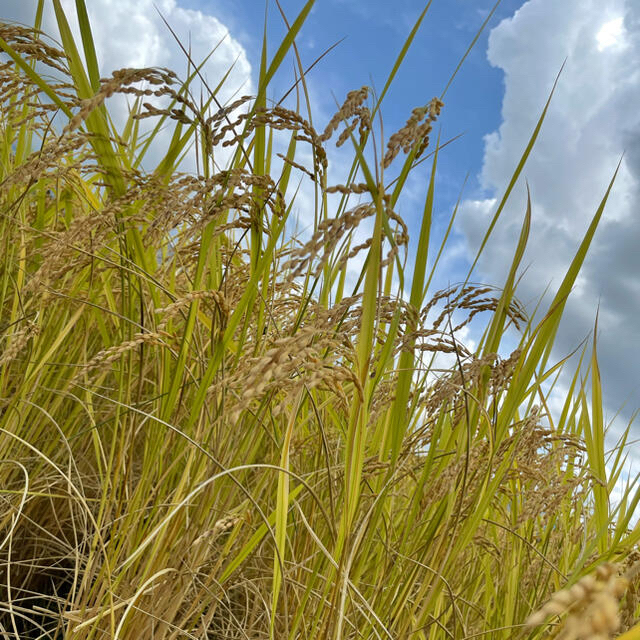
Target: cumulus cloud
131 33
593 118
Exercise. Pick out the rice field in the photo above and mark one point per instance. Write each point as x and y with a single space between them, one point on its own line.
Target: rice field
214 427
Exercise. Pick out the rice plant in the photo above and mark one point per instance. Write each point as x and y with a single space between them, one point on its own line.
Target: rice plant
214 427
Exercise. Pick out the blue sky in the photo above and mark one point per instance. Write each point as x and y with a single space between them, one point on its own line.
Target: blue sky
374 32
495 100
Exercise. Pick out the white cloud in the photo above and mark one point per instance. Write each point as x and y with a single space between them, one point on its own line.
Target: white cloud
131 33
592 119
611 34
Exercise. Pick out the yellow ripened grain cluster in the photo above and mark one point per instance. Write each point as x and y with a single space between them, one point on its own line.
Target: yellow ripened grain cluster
16 341
351 108
416 130
591 604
